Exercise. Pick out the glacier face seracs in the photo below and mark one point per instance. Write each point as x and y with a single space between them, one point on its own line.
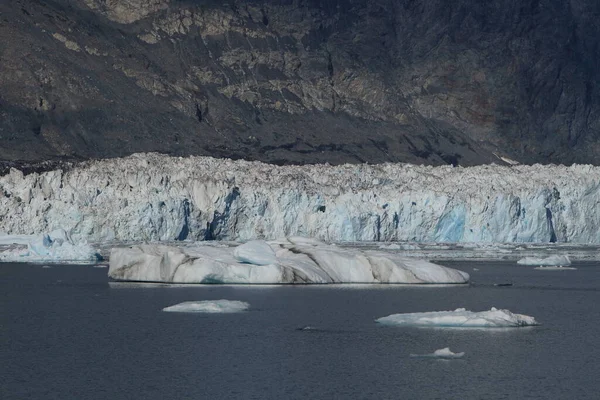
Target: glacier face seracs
292 260
155 197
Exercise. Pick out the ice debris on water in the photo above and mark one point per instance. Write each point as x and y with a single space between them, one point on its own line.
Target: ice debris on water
444 353
494 318
209 306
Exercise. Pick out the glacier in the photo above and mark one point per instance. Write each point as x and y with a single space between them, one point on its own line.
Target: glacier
152 197
294 260
444 353
461 318
209 306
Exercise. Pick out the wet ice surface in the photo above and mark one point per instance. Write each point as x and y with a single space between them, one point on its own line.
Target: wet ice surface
209 306
69 333
443 354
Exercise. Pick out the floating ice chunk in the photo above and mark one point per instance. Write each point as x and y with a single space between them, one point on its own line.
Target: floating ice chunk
54 246
444 353
392 246
297 262
555 268
209 306
555 260
461 317
256 252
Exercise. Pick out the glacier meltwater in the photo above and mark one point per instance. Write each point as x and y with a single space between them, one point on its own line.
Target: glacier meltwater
151 197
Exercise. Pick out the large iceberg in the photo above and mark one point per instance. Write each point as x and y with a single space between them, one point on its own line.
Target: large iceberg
54 246
293 260
461 318
151 197
555 260
209 306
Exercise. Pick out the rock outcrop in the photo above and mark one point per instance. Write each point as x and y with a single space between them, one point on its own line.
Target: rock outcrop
302 81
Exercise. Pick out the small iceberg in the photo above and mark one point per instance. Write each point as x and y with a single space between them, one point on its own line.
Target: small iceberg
554 268
444 353
209 306
461 318
554 260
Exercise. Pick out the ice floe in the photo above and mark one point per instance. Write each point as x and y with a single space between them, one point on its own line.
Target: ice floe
554 260
209 306
494 318
444 353
292 260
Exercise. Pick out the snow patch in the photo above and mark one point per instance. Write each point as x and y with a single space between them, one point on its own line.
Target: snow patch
209 306
494 318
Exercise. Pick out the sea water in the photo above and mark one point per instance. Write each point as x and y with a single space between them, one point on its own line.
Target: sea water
68 333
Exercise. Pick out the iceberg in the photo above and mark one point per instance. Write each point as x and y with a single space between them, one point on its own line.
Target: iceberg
54 246
152 197
461 318
555 260
444 353
209 306
292 260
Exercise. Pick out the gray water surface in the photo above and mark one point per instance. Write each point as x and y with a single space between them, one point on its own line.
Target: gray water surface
67 333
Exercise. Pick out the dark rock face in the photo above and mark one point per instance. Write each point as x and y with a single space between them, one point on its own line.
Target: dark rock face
302 81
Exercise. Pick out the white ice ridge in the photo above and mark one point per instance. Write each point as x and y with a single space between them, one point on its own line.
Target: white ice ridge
555 260
209 306
151 197
462 318
294 260
444 353
54 246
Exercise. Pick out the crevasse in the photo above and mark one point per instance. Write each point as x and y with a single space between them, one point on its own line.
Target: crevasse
156 197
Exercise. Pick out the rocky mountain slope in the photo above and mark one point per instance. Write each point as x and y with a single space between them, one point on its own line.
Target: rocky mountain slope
302 81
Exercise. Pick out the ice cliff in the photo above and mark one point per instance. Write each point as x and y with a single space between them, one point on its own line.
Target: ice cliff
155 197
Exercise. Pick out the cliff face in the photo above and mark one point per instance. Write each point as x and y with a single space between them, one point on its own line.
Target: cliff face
302 81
